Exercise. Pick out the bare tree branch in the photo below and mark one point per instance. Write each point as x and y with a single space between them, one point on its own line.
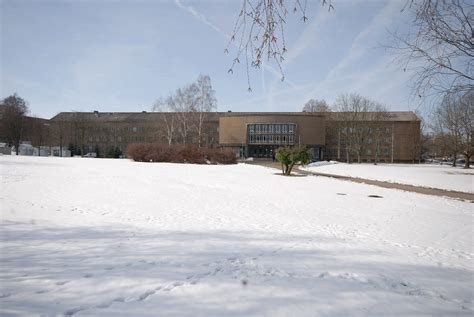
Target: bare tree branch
259 33
440 48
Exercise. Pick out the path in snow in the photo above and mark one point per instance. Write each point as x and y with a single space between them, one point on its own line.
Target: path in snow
424 175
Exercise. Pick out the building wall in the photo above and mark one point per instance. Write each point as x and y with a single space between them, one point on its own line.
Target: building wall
310 129
106 131
398 142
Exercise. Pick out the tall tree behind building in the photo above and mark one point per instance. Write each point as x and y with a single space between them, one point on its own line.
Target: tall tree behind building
315 105
13 119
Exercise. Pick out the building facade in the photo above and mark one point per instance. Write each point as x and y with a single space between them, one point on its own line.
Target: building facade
362 137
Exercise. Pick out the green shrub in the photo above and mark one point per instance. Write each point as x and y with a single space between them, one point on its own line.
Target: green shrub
288 156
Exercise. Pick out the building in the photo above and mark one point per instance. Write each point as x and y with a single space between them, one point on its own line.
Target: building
362 137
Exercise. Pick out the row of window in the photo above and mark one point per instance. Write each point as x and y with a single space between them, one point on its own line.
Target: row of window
110 138
366 129
271 139
118 129
383 152
272 128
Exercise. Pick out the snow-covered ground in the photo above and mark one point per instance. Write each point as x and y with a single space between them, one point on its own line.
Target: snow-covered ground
119 238
426 175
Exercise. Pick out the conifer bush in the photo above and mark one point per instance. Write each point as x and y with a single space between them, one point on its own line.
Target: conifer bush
289 156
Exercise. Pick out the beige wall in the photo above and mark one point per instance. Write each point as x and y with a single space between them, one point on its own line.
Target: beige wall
310 128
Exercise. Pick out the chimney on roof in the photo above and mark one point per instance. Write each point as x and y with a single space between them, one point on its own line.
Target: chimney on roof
96 113
143 111
229 110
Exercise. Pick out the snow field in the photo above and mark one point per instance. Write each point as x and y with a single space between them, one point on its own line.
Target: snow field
425 175
114 237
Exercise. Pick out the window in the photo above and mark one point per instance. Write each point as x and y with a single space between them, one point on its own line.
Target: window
270 133
134 129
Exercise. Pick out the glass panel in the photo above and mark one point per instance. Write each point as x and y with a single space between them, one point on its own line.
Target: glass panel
277 128
291 128
252 128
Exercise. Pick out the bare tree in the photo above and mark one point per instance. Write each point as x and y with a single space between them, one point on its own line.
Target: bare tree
419 139
377 129
315 105
259 32
355 115
183 103
453 119
466 114
15 110
440 47
168 119
59 130
81 129
38 130
205 103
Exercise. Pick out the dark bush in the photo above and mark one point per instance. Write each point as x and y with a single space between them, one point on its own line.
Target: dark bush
153 152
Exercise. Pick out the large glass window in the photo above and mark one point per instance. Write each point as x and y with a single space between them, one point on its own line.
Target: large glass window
271 133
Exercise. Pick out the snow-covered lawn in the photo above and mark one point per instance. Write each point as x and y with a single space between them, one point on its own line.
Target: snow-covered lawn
119 238
426 175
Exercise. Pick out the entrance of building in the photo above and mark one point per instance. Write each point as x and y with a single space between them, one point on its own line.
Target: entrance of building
262 151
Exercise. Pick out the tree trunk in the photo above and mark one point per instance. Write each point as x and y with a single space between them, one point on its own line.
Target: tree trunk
467 163
61 146
288 172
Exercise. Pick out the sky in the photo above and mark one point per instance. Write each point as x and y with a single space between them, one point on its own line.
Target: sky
122 55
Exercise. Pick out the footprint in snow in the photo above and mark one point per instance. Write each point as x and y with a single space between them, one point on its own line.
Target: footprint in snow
119 299
5 295
145 295
62 283
74 311
88 275
42 291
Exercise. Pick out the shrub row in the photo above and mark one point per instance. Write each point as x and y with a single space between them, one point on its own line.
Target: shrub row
153 152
